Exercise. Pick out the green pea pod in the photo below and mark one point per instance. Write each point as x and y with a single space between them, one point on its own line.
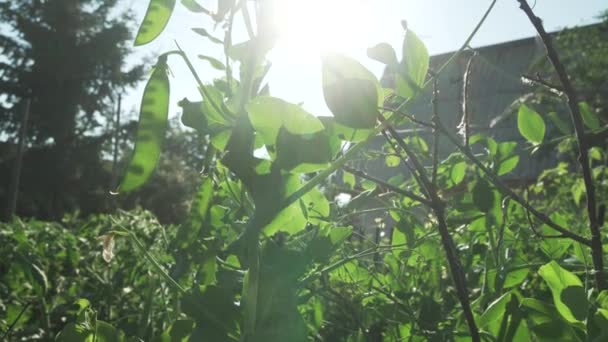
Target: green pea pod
151 130
157 17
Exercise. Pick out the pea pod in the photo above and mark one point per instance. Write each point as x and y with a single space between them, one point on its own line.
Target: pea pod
151 130
157 17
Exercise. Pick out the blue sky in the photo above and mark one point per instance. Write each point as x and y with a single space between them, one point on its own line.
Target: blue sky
442 24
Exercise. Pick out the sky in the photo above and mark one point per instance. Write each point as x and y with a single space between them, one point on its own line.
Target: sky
349 27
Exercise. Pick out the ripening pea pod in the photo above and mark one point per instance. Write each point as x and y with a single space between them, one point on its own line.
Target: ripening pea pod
155 21
151 129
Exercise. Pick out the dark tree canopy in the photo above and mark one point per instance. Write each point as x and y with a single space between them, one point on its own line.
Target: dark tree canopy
69 58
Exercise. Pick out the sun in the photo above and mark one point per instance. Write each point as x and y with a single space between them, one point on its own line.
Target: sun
313 27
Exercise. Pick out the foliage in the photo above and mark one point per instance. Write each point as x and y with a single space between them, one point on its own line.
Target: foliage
69 58
443 250
55 273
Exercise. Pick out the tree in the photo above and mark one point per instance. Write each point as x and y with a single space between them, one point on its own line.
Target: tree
68 57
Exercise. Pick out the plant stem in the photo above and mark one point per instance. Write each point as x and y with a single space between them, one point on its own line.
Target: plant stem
386 185
438 207
505 190
579 129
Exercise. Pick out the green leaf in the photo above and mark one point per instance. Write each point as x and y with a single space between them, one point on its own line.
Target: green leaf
156 18
546 322
457 172
392 161
214 62
343 132
299 139
495 312
414 66
531 125
351 92
483 196
561 124
508 165
589 117
515 277
107 333
383 53
338 234
349 179
208 35
568 292
151 130
267 115
193 6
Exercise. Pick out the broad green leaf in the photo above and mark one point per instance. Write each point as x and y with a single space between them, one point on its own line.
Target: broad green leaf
214 62
589 117
483 196
107 333
568 292
508 165
267 115
562 125
156 18
414 66
317 206
150 131
457 172
339 234
293 218
303 153
342 132
546 322
351 92
494 313
515 277
383 53
298 138
531 125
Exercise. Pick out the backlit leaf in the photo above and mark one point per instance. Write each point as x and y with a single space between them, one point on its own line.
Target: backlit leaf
568 292
589 117
383 53
531 125
351 92
414 66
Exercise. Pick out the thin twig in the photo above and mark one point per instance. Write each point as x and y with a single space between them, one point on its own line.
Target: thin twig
465 124
8 331
438 207
386 185
409 116
537 80
435 118
505 190
579 129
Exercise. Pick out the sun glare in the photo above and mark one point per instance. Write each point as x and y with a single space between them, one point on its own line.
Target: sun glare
312 27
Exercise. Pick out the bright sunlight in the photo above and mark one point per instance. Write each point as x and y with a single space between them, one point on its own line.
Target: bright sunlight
311 27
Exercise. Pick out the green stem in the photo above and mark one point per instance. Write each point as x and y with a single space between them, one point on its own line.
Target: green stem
174 284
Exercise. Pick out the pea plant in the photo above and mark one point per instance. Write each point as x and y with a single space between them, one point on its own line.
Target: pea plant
267 254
